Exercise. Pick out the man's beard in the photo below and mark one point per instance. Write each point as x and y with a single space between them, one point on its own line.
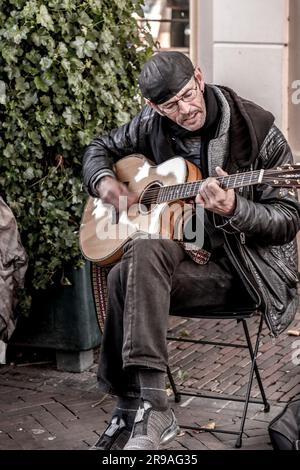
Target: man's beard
197 117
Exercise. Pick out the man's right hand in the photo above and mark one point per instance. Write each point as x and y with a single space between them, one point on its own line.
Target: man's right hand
110 189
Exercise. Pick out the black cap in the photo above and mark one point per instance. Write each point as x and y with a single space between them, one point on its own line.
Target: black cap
164 75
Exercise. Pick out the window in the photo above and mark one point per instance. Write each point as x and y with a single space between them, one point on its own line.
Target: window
169 23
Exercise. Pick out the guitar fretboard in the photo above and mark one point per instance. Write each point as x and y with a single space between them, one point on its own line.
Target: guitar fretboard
188 190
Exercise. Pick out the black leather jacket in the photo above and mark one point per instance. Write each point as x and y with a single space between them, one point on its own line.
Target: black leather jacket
260 236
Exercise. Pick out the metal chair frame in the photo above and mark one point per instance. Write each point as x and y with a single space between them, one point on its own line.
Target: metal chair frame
240 317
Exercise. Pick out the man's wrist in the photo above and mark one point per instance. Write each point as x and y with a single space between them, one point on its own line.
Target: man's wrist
100 177
232 208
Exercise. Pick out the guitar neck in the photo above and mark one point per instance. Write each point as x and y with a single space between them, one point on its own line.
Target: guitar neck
188 190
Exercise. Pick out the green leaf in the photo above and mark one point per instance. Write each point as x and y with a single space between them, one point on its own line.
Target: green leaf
78 44
8 152
62 49
40 84
30 99
44 18
67 114
68 72
45 63
21 84
89 48
29 173
84 19
2 92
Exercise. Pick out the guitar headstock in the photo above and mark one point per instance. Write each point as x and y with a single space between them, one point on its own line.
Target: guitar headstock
285 176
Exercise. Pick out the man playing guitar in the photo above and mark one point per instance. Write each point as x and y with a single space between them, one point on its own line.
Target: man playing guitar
249 235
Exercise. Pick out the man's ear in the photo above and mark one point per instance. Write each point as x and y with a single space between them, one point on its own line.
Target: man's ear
154 106
199 76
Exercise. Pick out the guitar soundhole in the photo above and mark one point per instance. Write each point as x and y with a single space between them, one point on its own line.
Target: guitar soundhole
149 197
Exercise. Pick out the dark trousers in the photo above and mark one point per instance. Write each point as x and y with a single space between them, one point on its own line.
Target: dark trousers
154 278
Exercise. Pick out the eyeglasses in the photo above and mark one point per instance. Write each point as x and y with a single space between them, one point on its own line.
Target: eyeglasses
173 107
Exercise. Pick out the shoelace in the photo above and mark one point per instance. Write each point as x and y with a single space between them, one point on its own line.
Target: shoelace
141 411
115 424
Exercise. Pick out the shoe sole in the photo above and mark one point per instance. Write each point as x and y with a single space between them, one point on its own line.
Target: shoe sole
169 435
117 443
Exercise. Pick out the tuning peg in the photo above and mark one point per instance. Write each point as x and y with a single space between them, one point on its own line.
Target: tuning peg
279 168
287 181
282 192
275 181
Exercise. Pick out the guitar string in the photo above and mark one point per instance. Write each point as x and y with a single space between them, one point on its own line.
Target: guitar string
192 184
152 195
155 200
242 176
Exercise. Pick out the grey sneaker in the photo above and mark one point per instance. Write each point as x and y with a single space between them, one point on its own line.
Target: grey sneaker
152 428
114 437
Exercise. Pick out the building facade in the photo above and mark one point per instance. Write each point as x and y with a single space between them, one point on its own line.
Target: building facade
252 46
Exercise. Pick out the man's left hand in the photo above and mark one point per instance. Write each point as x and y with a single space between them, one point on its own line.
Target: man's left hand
213 198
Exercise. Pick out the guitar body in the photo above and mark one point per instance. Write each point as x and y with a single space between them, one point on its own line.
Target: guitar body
103 232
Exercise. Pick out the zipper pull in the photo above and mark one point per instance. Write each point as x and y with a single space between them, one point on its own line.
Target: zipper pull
242 238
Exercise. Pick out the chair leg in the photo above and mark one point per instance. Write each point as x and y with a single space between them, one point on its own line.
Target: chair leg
173 385
253 369
257 373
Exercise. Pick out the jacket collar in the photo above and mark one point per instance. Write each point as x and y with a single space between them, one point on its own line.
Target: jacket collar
249 126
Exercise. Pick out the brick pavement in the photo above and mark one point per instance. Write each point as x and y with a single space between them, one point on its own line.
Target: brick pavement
42 408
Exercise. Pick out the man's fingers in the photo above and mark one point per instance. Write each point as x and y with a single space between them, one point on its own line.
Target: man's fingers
220 171
209 189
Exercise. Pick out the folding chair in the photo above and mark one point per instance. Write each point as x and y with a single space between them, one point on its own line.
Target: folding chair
241 316
99 283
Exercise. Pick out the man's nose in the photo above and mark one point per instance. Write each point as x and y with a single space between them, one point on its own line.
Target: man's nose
184 107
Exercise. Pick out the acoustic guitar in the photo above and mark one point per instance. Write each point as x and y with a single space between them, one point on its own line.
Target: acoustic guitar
160 211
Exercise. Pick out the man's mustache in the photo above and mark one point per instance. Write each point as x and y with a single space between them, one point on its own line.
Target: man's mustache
186 116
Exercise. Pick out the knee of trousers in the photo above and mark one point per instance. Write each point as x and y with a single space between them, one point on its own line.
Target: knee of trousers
146 248
113 277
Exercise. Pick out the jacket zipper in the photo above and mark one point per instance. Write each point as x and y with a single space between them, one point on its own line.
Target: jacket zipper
292 276
242 270
267 320
243 250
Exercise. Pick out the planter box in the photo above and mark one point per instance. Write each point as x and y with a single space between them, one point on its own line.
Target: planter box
63 318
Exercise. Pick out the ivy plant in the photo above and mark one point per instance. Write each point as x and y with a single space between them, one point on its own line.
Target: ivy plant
68 72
